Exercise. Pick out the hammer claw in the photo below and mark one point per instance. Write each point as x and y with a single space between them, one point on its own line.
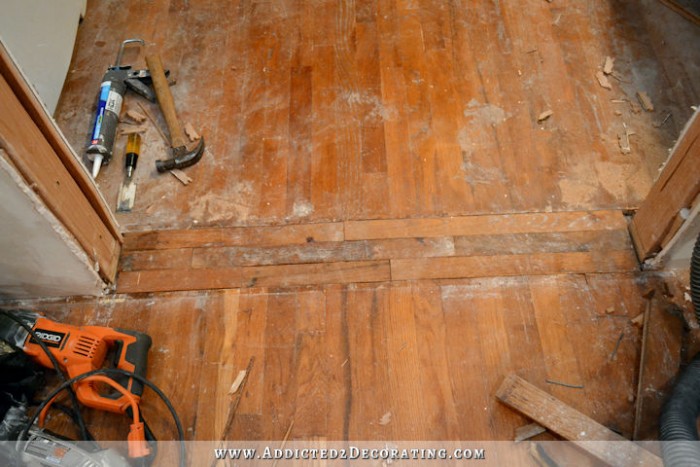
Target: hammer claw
182 158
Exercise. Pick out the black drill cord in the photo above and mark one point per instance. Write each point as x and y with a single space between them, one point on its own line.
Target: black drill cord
113 372
70 414
74 400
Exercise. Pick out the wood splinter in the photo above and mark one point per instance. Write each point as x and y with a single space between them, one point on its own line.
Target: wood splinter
191 132
624 140
608 66
603 80
132 130
181 176
544 115
645 100
235 386
235 400
135 116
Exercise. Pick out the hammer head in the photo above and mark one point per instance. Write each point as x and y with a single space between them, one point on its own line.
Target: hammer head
182 157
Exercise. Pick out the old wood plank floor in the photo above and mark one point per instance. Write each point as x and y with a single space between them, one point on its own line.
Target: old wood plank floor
319 111
380 219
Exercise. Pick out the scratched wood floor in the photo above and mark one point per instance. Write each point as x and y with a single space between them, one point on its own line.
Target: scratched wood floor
335 359
323 110
380 220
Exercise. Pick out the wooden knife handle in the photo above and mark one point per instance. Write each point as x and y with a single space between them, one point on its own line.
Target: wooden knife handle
165 100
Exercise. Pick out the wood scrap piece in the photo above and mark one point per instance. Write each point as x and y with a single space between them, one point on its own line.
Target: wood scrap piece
131 130
571 424
638 320
182 176
135 116
544 115
528 431
237 382
603 80
645 100
608 66
191 132
623 139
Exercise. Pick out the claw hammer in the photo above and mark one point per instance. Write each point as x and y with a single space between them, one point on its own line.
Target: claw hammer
182 156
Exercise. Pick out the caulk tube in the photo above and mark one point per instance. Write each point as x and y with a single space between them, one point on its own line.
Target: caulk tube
106 119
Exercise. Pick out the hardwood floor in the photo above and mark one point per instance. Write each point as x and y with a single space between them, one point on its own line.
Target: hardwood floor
376 251
320 111
381 220
336 358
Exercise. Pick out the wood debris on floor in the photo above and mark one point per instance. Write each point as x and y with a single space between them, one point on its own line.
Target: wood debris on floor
603 80
409 202
338 358
572 425
645 101
307 130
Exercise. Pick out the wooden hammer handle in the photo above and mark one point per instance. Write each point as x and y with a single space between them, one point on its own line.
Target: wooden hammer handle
165 100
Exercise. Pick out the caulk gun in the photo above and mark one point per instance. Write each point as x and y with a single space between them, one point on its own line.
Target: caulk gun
116 80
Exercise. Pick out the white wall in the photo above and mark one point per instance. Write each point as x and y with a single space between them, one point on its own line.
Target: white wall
38 257
677 255
40 35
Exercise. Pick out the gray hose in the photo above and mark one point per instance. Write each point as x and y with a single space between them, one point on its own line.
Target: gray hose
678 423
695 278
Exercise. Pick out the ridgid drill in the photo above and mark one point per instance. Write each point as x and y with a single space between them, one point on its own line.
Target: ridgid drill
79 350
116 80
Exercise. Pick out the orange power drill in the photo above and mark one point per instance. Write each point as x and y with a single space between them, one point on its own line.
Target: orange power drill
82 349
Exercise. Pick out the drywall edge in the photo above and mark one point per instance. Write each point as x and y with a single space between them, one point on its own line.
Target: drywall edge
40 257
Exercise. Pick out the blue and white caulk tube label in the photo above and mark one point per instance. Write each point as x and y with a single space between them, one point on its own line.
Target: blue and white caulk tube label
110 101
101 105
